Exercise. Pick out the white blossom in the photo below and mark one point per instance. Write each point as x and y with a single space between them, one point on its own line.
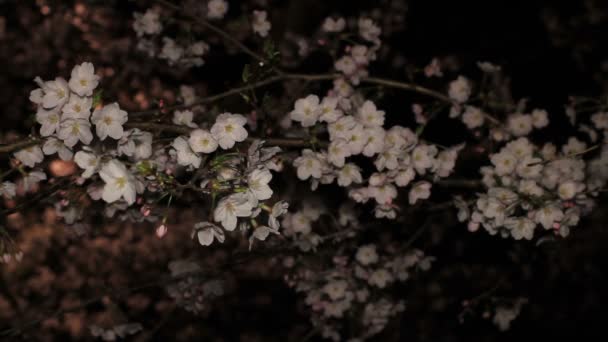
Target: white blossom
185 155
147 23
306 111
87 161
83 79
54 93
78 108
30 156
119 183
231 207
202 141
308 164
258 181
260 23
206 232
420 190
216 9
50 121
228 129
109 121
460 89
53 145
369 116
334 25
184 118
73 130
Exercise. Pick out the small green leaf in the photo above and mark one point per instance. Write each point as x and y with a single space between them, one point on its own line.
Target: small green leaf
97 97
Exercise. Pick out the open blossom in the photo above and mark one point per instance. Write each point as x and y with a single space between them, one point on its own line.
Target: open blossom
73 130
202 141
338 151
367 255
520 124
540 118
109 120
335 289
505 162
52 93
460 89
568 190
87 161
369 30
147 23
260 24
8 189
329 111
185 155
228 129
521 228
369 116
306 111
78 108
184 118
420 190
216 9
258 181
206 232
83 79
50 121
308 164
473 117
119 183
136 143
334 25
30 156
350 173
548 215
231 207
54 145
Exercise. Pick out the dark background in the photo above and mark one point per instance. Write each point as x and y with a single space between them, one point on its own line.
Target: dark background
549 50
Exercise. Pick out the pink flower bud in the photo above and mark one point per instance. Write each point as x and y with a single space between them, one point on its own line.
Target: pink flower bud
161 231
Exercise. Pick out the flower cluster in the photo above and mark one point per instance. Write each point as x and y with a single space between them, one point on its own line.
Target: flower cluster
530 188
356 290
190 290
149 31
355 127
242 182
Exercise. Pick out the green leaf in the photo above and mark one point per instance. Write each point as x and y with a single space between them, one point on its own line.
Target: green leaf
246 73
97 97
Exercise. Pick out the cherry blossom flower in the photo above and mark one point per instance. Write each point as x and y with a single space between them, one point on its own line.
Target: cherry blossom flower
202 141
73 130
260 23
50 121
8 189
230 208
53 145
460 90
87 161
334 25
258 181
119 183
184 118
216 9
228 129
109 121
420 190
206 232
306 111
53 93
83 79
30 156
147 23
78 108
369 116
185 155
